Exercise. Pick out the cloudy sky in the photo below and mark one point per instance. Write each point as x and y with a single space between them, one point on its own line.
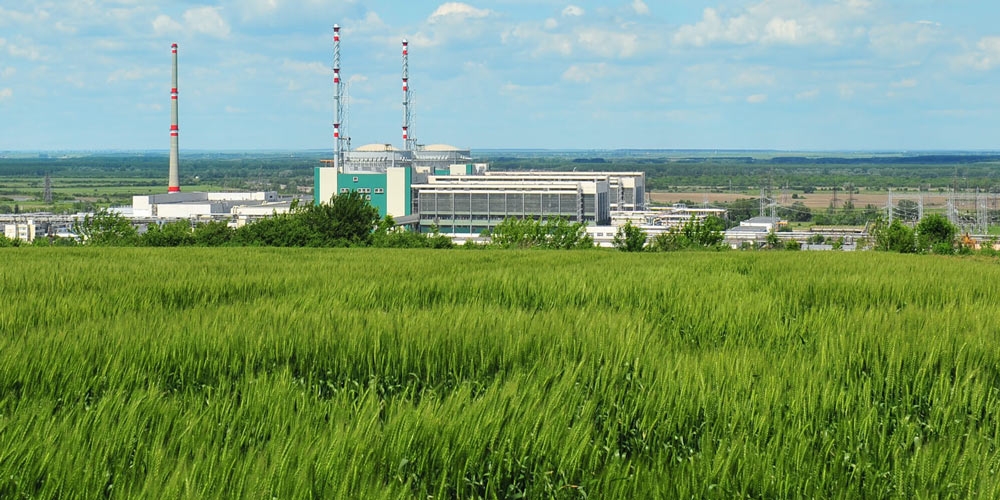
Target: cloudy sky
724 74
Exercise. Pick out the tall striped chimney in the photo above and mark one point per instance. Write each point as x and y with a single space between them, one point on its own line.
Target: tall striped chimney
175 185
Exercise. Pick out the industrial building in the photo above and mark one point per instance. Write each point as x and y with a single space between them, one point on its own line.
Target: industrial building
205 205
24 231
474 204
626 190
440 187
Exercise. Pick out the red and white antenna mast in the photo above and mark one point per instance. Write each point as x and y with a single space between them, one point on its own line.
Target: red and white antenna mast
338 102
408 141
174 185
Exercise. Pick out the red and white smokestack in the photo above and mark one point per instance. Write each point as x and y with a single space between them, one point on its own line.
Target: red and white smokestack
338 100
174 185
408 141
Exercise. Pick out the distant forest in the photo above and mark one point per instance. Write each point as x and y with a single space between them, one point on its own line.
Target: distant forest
664 171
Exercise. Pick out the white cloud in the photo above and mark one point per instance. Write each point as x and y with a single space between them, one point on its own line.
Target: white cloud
757 98
64 28
807 95
457 11
543 42
584 73
131 74
6 93
780 30
551 24
234 110
756 77
313 67
8 72
640 7
985 57
606 43
208 21
907 83
165 25
908 39
8 16
572 11
789 22
849 90
23 49
149 108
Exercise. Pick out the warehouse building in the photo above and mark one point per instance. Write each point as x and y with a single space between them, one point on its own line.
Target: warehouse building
197 205
626 190
474 204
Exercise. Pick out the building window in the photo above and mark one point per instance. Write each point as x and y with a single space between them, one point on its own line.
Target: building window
379 191
368 197
355 179
345 190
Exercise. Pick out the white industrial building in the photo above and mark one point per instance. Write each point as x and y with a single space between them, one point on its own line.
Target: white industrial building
24 231
753 231
202 205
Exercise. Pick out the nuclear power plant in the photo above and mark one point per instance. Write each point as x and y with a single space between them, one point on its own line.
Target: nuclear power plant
440 187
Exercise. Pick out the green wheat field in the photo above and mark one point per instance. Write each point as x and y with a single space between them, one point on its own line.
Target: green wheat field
361 373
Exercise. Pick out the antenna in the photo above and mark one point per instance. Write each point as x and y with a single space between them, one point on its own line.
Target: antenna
174 185
337 97
408 139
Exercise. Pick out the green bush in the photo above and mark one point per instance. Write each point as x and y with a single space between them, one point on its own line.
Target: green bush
630 238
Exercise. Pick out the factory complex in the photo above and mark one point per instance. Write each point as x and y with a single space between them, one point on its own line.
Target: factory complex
441 188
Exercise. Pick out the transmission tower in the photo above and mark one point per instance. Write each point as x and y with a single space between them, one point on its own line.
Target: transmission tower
48 189
888 205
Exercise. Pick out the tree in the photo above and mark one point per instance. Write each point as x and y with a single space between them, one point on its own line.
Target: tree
348 220
937 234
171 234
212 234
742 209
387 235
6 242
896 237
773 242
106 228
694 233
630 238
798 212
556 233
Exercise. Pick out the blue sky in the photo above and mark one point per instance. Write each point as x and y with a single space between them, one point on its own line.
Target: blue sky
727 74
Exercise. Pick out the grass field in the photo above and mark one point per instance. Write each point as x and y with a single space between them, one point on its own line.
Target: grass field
265 373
